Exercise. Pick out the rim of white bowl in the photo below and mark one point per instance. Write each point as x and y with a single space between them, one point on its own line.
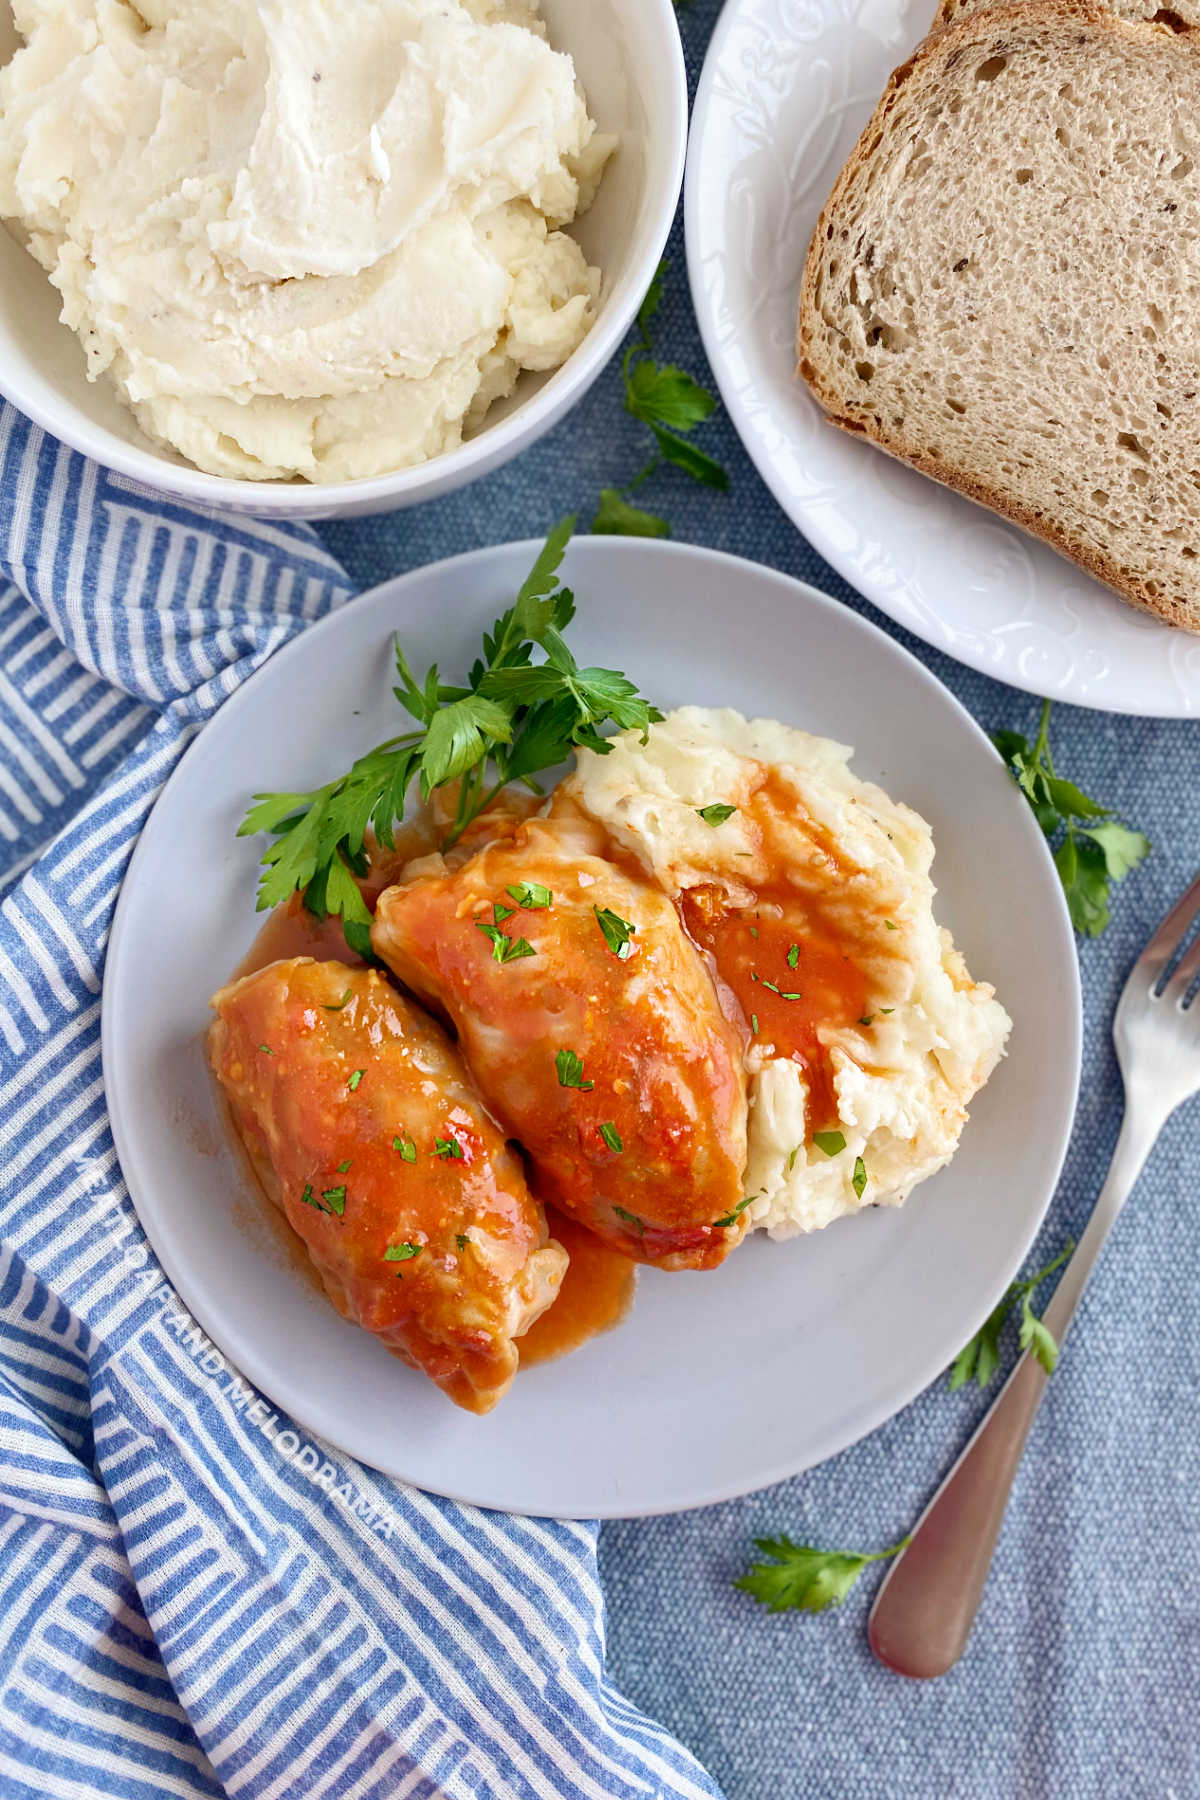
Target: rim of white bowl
494 444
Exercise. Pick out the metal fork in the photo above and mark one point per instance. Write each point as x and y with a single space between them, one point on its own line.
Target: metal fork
923 1613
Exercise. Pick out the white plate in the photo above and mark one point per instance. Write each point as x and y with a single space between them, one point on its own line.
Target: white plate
786 89
717 1383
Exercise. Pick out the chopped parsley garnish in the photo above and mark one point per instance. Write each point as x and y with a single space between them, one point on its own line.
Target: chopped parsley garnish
867 1019
618 932
612 1137
343 1166
266 1049
731 1218
831 1142
801 1579
891 925
505 949
754 1024
887 1009
768 984
858 1180
792 1158
717 812
308 1198
336 1197
570 1071
754 931
793 956
401 1252
785 996
531 896
461 1241
336 1005
355 1079
512 718
500 913
406 1147
448 1146
631 1219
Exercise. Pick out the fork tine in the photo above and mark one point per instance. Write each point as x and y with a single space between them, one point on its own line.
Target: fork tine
1167 938
1176 989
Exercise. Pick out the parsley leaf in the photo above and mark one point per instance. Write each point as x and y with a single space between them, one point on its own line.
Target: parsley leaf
731 1218
831 1142
631 1219
717 812
531 896
618 932
354 1080
661 394
461 1241
406 1147
616 517
448 1147
336 1196
514 718
979 1359
858 1180
570 1071
612 1137
336 1005
670 403
803 1579
691 459
401 1252
504 949
1089 857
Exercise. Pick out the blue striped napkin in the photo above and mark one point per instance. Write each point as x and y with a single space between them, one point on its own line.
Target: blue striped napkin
195 1597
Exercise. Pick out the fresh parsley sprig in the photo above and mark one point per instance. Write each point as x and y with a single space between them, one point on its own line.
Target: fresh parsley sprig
979 1360
801 1578
671 403
514 718
1089 857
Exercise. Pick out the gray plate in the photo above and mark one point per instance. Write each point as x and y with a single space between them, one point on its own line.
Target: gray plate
717 1383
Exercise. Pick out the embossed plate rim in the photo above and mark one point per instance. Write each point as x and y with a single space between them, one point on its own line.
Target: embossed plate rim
1064 636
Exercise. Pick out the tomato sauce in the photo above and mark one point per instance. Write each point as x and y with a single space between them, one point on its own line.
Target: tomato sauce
791 978
597 1290
596 1294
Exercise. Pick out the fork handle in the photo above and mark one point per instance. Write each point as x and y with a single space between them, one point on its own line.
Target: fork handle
924 1610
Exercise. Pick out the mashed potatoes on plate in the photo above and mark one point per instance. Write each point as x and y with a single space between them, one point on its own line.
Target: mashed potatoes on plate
810 891
303 238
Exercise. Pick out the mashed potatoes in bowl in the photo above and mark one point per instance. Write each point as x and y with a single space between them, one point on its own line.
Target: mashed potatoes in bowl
303 239
810 892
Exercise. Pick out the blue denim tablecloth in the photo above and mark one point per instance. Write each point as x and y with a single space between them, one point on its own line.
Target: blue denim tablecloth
1083 1677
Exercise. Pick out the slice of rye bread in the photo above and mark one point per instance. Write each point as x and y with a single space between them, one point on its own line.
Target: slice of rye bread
1004 287
1182 15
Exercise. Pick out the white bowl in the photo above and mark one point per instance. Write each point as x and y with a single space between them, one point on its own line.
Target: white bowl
628 57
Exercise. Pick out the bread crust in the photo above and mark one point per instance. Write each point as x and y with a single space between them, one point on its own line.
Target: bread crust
979 28
949 12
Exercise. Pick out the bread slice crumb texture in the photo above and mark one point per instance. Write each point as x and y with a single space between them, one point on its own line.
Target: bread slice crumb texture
1004 287
1180 17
